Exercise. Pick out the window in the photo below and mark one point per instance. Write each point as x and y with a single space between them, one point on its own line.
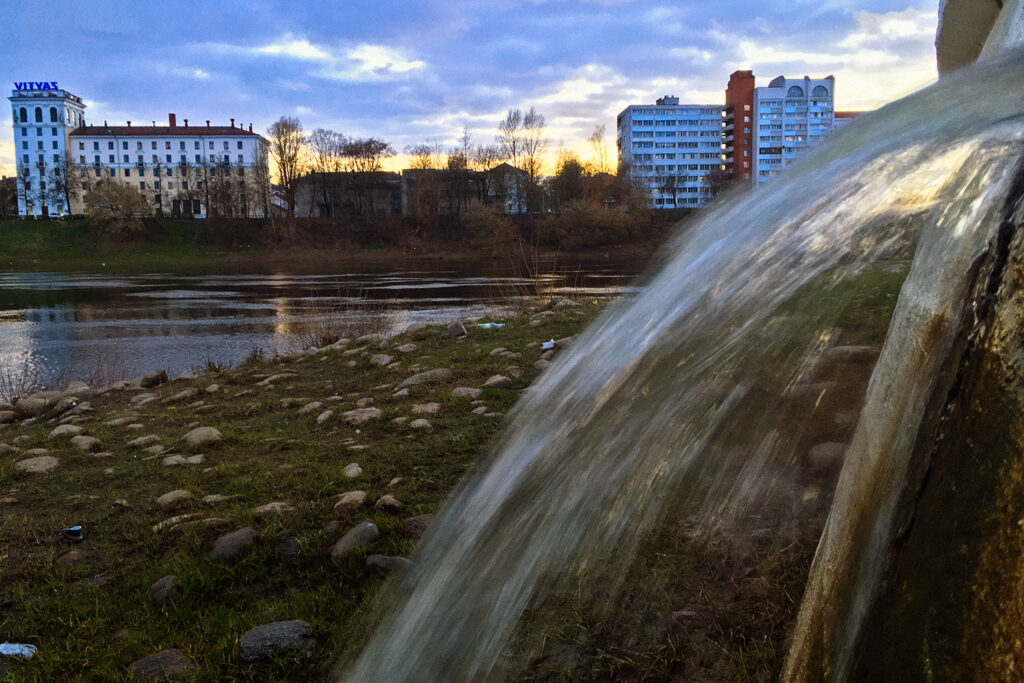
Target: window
127 173
97 170
54 144
156 184
22 116
96 159
142 172
142 185
168 158
139 160
126 158
170 172
211 144
156 159
239 158
197 144
746 152
39 144
167 144
24 158
39 115
198 159
111 157
138 145
81 158
124 144
81 145
24 144
24 131
39 132
225 144
239 144
53 132
183 158
53 114
153 144
181 144
110 145
819 91
795 91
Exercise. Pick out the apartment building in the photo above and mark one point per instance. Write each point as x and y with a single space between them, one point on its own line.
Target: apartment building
790 116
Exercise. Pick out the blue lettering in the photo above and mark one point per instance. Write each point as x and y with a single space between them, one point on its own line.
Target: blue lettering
19 86
53 85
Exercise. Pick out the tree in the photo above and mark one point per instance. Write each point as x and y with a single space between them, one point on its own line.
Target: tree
533 149
8 197
116 206
486 157
327 158
510 138
567 183
599 150
287 150
426 155
521 138
365 159
62 179
716 182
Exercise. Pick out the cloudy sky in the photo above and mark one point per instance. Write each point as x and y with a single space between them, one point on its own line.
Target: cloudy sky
409 72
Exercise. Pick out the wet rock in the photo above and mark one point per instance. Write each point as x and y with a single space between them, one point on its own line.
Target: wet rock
381 359
274 638
388 563
164 664
350 500
275 508
42 464
230 544
65 430
466 392
201 435
164 588
389 503
324 416
455 329
426 408
173 499
143 441
352 470
182 395
415 527
420 423
498 382
360 415
310 407
152 379
359 535
436 375
407 348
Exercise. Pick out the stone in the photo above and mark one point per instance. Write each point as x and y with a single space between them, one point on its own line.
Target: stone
77 387
399 420
420 423
498 382
202 435
135 426
350 500
359 535
65 430
455 329
7 449
381 359
42 464
396 481
152 379
497 351
143 441
230 544
367 338
276 508
426 408
436 375
33 452
513 371
214 498
466 392
826 457
310 407
352 470
401 393
212 389
293 401
172 522
324 416
145 401
139 398
542 364
547 355
564 342
364 402
288 544
8 500
265 641
71 557
7 416
407 348
182 395
388 563
119 421
164 664
480 410
389 503
381 387
155 450
31 407
565 303
164 588
275 378
415 527
173 498
360 415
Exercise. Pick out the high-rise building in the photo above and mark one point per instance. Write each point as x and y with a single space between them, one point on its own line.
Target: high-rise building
672 151
43 115
790 116
739 126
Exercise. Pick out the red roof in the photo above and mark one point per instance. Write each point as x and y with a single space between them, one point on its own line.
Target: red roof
161 131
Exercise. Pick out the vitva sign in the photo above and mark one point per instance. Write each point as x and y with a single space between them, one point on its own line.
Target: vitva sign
34 85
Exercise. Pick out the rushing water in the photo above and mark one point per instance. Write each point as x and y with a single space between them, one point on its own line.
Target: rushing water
674 394
60 327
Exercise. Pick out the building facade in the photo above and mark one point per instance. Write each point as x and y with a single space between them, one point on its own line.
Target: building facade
43 115
672 152
791 115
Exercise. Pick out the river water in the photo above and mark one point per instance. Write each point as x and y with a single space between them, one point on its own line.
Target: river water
58 327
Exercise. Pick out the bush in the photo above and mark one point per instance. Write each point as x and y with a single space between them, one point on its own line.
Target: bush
490 229
585 224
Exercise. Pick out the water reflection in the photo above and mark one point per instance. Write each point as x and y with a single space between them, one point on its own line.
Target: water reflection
58 327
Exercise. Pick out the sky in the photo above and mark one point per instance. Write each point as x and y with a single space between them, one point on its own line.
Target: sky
411 72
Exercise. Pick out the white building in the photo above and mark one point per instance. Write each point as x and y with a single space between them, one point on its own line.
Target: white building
790 116
672 150
43 115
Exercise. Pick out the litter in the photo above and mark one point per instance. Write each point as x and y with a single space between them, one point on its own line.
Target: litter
488 326
72 533
548 345
17 650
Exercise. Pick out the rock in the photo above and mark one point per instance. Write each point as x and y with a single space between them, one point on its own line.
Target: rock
7 416
539 318
359 535
381 359
275 378
388 563
33 452
436 375
212 389
547 355
497 351
65 404
173 498
352 470
564 342
492 414
214 498
389 503
498 382
350 500
542 364
164 664
147 400
8 500
201 435
230 544
152 379
826 457
182 395
395 481
565 303
42 464
155 450
165 587
399 420
77 387
364 402
139 398
420 423
71 557
142 441
65 430
324 416
480 410
466 392
173 522
310 407
401 393
7 449
268 640
119 421
360 415
31 407
455 329
275 508
415 527
293 401
367 338
513 372
425 408
381 387
407 348
135 426
288 544
851 354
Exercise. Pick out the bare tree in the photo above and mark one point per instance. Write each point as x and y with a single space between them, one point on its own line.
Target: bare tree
510 138
599 150
486 157
327 159
365 159
533 149
425 155
567 183
287 150
61 180
116 206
